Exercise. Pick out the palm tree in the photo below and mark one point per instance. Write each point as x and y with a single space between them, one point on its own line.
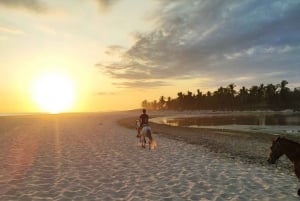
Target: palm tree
271 95
242 98
161 103
284 94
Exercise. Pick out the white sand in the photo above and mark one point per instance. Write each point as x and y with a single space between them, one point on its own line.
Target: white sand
93 158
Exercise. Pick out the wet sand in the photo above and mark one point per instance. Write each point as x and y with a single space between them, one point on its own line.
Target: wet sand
92 157
250 146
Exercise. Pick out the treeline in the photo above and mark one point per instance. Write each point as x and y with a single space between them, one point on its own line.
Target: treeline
262 97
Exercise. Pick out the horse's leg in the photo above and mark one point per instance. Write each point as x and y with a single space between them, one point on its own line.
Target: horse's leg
150 138
297 169
143 141
140 137
297 172
138 133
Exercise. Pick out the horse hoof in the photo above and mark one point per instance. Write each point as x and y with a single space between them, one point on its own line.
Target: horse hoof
298 192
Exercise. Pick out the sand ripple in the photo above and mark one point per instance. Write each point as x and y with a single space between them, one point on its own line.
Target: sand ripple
92 158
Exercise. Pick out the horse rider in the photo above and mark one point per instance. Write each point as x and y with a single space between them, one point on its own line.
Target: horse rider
143 119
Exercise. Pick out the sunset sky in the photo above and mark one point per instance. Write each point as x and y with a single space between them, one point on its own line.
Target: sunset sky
116 53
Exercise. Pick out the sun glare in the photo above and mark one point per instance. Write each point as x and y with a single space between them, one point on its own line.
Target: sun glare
53 92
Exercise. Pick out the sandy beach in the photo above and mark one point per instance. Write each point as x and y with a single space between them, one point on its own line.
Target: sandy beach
93 157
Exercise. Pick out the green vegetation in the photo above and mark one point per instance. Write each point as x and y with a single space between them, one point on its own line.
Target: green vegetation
262 97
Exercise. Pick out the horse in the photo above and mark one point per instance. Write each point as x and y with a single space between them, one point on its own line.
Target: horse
144 132
291 149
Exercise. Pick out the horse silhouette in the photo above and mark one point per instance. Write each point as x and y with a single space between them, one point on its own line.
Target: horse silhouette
282 146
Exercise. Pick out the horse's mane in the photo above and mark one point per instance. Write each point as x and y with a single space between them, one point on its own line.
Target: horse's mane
288 140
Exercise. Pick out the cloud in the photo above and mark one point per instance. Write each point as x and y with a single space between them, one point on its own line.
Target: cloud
140 84
114 50
105 4
106 93
33 5
10 30
216 38
47 30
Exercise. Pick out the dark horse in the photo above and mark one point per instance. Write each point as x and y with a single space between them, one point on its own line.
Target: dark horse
291 149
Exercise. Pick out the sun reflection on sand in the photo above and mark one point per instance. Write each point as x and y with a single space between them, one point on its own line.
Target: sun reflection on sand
19 158
57 144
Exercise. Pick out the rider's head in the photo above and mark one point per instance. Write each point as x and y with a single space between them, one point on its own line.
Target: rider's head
144 111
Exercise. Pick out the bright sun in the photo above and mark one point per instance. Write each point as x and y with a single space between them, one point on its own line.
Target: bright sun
53 92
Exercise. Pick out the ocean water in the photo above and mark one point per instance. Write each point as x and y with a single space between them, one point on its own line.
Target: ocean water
259 120
272 123
17 114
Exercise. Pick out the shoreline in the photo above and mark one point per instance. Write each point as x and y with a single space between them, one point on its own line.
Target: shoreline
242 145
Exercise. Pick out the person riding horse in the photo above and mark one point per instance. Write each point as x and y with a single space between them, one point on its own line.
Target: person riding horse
144 118
144 131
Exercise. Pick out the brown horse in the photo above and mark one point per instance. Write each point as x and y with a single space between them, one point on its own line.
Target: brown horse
291 149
